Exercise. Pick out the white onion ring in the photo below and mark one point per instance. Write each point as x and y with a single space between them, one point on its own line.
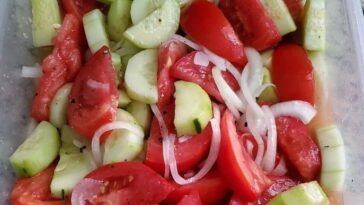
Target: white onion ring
270 154
85 190
281 168
97 85
184 138
187 42
262 88
298 109
31 72
95 144
201 59
255 65
157 113
166 158
252 125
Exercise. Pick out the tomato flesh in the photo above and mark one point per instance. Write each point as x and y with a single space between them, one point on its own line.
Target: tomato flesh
186 69
169 53
243 176
296 143
188 154
79 7
252 23
191 199
207 25
94 95
60 67
293 74
295 8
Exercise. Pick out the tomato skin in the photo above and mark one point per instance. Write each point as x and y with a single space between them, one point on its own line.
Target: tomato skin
91 107
295 8
169 53
185 157
296 143
60 67
293 74
79 7
190 199
252 23
212 189
130 183
186 69
35 190
280 184
211 29
243 176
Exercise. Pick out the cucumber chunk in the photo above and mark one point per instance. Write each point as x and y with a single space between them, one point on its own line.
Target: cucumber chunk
108 2
141 76
267 58
37 152
314 25
332 158
118 18
193 108
75 163
269 94
94 25
157 27
58 107
124 99
123 145
142 114
303 194
46 15
280 15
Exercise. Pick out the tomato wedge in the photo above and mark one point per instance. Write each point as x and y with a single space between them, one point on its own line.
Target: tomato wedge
295 8
35 190
169 53
251 22
280 184
94 95
207 25
186 69
79 7
293 74
130 183
191 199
211 189
243 176
296 143
60 67
188 154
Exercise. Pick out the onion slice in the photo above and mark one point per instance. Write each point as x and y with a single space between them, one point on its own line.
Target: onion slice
255 65
97 85
270 154
281 168
253 127
186 41
31 72
296 108
201 59
211 158
218 61
262 88
95 144
85 190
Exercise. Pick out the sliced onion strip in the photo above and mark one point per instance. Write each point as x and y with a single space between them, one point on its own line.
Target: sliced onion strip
218 61
252 125
97 85
281 168
255 65
201 59
298 109
187 42
262 88
270 154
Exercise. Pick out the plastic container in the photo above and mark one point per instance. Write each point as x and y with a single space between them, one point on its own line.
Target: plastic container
345 57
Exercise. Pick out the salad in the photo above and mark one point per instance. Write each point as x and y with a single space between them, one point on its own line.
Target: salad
180 102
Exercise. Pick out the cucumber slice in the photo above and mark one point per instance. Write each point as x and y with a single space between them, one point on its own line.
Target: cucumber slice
58 108
141 76
267 58
75 163
193 108
332 181
142 114
123 145
37 152
118 66
303 194
279 13
94 25
329 136
269 94
46 15
124 99
314 25
127 48
108 2
157 27
118 18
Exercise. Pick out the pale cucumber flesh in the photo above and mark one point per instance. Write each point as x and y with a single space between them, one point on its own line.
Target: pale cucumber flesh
269 94
142 114
280 15
95 30
118 18
58 107
314 25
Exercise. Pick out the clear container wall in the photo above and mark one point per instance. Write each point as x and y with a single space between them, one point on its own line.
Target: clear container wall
345 49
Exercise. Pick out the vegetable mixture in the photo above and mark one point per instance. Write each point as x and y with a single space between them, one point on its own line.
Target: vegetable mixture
192 102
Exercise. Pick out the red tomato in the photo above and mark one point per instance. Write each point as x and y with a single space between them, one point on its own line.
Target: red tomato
35 190
190 199
169 53
188 154
252 22
94 95
211 189
237 167
59 67
186 69
280 184
246 140
130 183
207 25
79 7
293 74
296 143
295 8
